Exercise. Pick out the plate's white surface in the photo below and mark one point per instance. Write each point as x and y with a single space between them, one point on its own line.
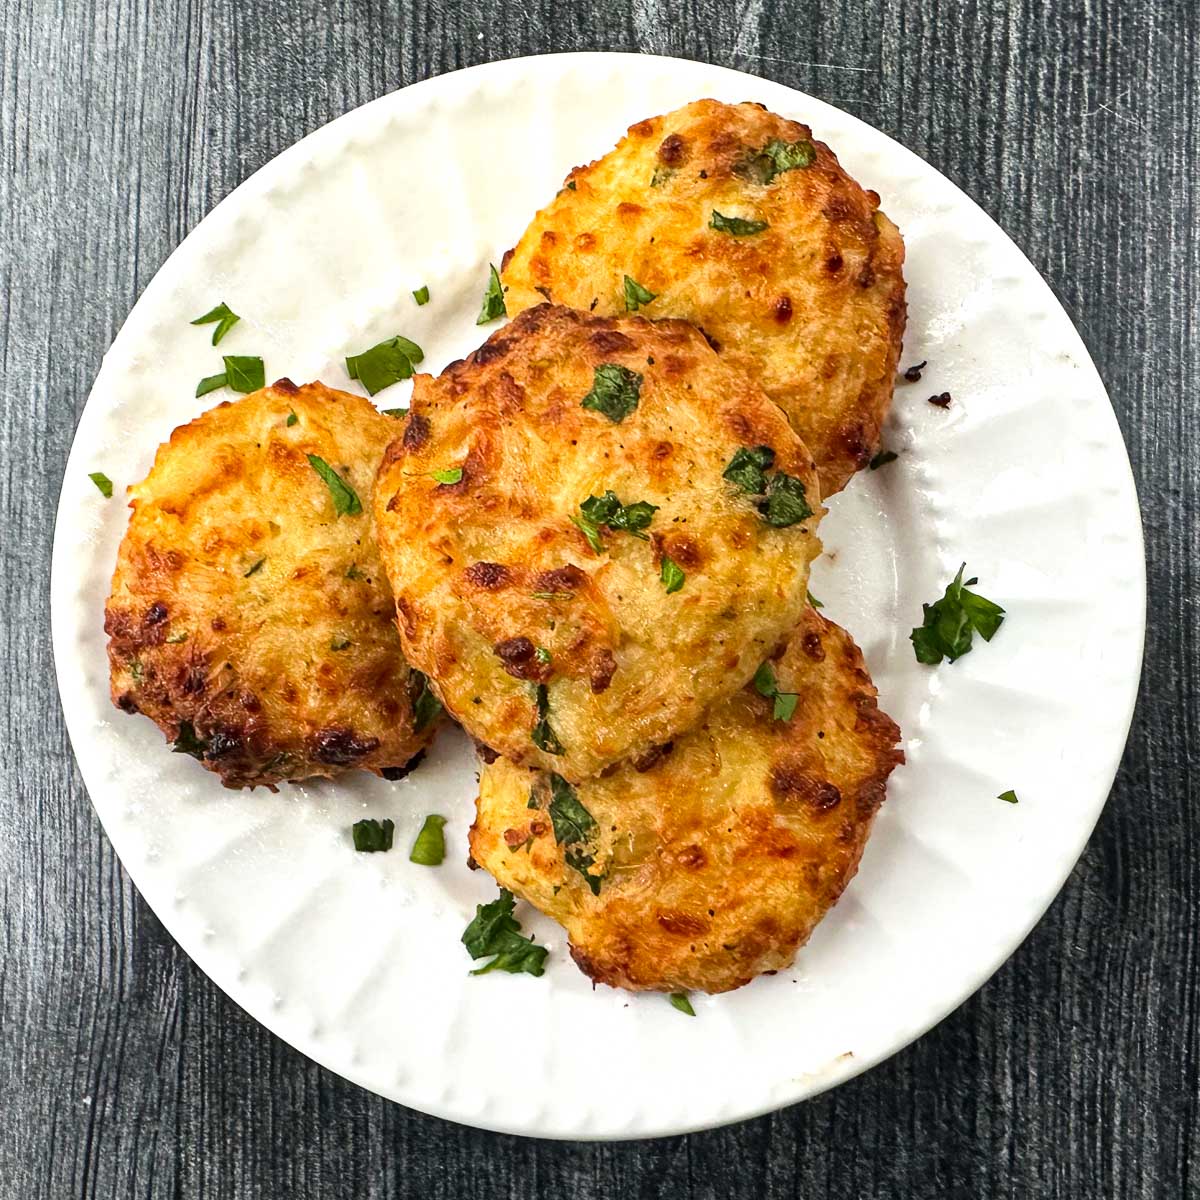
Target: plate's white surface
355 959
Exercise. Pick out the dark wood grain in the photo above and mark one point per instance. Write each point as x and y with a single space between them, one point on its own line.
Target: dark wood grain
1075 1072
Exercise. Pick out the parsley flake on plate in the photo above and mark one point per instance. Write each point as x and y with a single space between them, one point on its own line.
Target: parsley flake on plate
680 1002
102 482
371 836
1009 797
813 601
615 391
224 317
291 419
786 503
421 295
951 623
186 741
430 847
748 468
736 226
598 512
672 575
542 734
243 373
774 158
636 296
426 705
882 459
345 498
766 685
495 933
383 364
574 827
448 476
493 299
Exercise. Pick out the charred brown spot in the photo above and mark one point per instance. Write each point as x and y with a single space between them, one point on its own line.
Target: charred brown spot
193 679
544 291
782 310
394 773
224 743
866 276
811 644
609 341
682 924
126 702
792 785
518 656
627 210
661 451
287 386
603 667
156 614
692 858
491 352
173 559
562 579
708 337
834 263
650 759
584 241
406 616
486 753
250 702
683 548
416 431
673 151
516 837
506 258
341 747
643 128
838 208
489 576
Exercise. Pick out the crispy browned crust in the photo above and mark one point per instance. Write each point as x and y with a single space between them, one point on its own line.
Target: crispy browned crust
717 861
243 654
813 307
490 568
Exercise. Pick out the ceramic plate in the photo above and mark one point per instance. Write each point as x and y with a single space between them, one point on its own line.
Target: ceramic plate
355 959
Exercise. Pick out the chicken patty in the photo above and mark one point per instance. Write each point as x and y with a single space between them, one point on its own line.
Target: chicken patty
713 863
250 617
735 219
595 528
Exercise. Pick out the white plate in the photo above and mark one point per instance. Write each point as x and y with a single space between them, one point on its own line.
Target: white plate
355 959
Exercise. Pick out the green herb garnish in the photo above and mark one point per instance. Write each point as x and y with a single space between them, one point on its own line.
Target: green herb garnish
102 482
553 595
493 299
176 638
544 737
1009 797
353 572
766 685
672 575
384 364
597 512
636 295
542 655
426 705
661 175
225 318
421 295
398 413
882 459
371 836
615 391
210 383
786 503
495 932
736 225
186 741
680 1001
345 498
451 475
254 569
430 847
748 468
243 373
573 826
291 419
774 158
813 601
951 622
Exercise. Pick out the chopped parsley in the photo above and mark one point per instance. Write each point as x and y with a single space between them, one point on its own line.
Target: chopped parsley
384 364
774 158
353 572
255 569
340 641
672 575
1009 797
786 503
882 459
636 295
951 622
102 482
766 685
542 655
292 419
596 512
225 319
421 295
176 638
681 1003
748 468
371 836
345 498
398 413
243 373
661 175
736 226
430 847
553 595
493 299
450 475
426 705
186 741
544 737
615 391
495 934
574 826
814 602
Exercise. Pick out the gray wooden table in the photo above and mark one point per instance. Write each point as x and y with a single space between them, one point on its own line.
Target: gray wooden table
1075 1072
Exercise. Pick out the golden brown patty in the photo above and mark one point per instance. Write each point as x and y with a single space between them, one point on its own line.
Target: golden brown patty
714 864
550 650
812 306
248 620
